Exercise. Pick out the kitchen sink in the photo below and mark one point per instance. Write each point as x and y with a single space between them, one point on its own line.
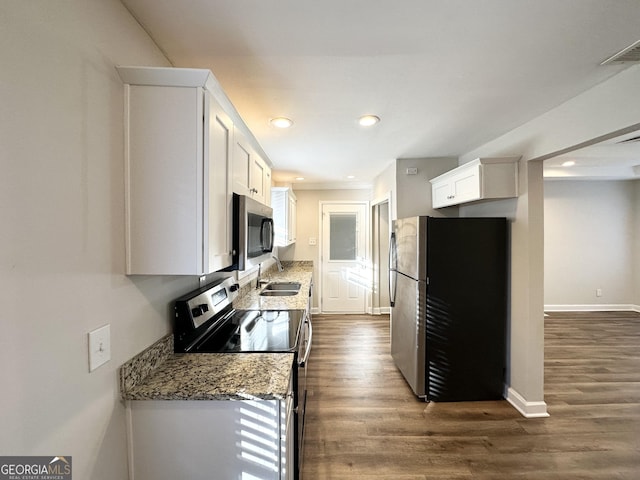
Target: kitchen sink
294 286
280 289
278 293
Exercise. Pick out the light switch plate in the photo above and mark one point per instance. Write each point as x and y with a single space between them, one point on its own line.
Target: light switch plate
99 347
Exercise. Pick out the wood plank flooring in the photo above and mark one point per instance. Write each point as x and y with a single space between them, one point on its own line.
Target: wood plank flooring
363 421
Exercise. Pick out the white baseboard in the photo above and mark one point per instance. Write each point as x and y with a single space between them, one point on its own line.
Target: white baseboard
527 409
382 311
593 308
315 311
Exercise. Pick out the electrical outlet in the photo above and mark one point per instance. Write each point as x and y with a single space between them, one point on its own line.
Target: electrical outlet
412 171
312 241
99 347
203 280
598 292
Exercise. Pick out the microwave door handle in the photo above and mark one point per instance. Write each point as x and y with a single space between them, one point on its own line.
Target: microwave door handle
267 247
272 233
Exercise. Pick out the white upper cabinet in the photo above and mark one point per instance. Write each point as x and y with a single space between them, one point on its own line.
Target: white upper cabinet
178 171
480 179
241 164
284 204
260 180
251 174
219 217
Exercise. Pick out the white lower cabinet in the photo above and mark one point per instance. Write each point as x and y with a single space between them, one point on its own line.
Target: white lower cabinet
205 440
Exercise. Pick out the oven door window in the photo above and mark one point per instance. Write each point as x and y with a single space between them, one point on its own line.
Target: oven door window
259 235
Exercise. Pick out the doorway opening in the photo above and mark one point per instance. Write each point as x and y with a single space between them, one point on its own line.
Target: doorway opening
380 234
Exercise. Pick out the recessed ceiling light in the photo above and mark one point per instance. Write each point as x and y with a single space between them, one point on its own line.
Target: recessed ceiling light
368 120
281 122
351 177
569 163
300 178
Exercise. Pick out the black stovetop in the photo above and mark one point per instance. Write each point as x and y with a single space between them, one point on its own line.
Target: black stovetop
253 331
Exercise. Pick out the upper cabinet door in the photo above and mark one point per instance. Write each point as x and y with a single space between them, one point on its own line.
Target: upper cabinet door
251 174
241 164
284 204
219 202
259 180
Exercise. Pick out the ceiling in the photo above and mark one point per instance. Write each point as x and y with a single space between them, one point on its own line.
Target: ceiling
444 76
614 159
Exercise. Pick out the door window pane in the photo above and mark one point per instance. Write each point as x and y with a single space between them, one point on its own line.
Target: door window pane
342 231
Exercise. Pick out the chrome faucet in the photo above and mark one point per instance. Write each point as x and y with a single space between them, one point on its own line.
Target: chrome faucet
258 280
280 267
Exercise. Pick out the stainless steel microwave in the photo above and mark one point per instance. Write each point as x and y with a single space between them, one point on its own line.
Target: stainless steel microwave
252 232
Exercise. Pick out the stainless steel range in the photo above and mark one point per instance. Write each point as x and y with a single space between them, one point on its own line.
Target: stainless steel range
206 322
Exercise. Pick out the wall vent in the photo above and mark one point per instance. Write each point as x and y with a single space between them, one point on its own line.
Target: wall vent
631 54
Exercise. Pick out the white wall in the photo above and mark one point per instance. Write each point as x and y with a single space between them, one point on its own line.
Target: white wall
411 194
590 243
62 234
606 110
384 186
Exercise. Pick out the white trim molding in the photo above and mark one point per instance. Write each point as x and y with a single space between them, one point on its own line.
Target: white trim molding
527 409
593 308
381 311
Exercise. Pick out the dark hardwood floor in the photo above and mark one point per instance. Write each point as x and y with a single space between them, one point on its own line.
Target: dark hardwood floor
363 421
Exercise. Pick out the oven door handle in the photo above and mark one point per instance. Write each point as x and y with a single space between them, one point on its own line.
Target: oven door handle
308 342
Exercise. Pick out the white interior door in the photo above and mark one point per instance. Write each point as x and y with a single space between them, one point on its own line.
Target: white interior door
346 279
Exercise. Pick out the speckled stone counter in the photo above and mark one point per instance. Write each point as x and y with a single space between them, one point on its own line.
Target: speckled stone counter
217 376
294 272
159 374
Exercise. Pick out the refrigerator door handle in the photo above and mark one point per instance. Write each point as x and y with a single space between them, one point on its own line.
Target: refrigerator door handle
392 287
393 265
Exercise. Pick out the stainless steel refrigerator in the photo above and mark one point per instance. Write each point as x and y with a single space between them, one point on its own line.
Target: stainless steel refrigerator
448 289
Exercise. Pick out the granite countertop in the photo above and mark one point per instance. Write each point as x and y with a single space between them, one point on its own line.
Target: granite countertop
217 376
294 272
158 373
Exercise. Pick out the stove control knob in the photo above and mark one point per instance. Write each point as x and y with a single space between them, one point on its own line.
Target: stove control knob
234 287
199 310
